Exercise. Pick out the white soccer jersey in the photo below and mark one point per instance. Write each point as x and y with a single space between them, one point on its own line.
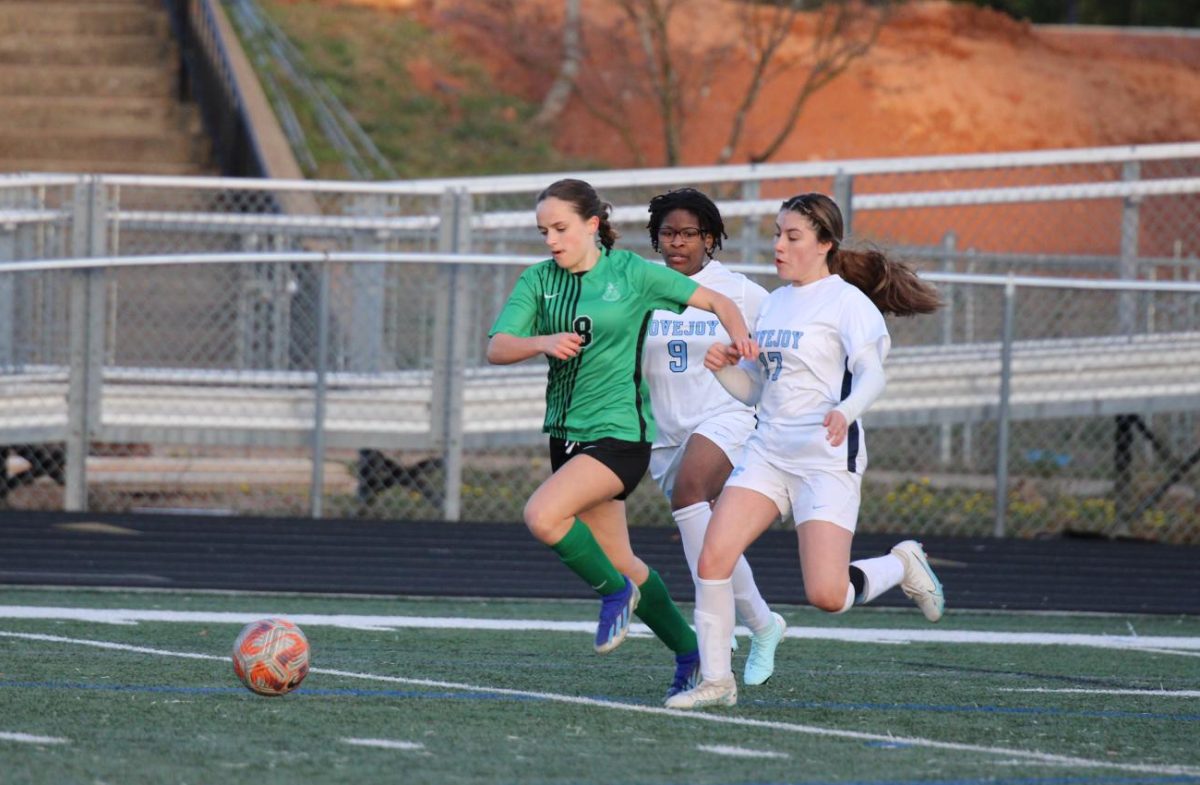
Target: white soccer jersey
682 391
808 337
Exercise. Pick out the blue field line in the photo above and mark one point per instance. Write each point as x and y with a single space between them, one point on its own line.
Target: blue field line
1064 678
67 685
1146 780
474 696
304 692
933 708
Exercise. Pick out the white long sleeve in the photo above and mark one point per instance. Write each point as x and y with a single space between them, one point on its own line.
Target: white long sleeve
741 382
869 382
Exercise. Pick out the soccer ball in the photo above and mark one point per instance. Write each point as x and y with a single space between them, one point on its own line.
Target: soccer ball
270 656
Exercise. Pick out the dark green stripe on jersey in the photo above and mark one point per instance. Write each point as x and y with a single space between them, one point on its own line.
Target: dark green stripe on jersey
639 385
563 290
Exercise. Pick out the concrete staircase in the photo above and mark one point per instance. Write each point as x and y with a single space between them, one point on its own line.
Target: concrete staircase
91 86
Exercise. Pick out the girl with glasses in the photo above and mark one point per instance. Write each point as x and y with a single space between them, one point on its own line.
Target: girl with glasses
701 427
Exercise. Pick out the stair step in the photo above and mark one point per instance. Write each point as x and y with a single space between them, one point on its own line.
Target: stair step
82 18
83 146
71 113
114 80
91 86
91 50
118 166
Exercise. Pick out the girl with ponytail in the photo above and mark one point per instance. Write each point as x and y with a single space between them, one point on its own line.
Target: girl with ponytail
822 342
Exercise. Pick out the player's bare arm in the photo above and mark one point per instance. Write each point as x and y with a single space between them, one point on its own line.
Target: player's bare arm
731 318
505 349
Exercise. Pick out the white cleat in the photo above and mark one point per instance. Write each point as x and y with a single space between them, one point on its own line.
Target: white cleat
722 692
920 583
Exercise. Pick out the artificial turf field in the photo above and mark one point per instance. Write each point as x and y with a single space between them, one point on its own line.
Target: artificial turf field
137 687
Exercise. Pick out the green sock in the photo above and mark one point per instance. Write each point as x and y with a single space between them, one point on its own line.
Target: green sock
662 615
580 551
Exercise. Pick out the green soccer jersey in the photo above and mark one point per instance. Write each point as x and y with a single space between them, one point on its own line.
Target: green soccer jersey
600 392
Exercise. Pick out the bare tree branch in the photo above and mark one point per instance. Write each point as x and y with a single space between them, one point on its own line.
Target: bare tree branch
836 44
643 64
766 40
651 19
602 111
559 93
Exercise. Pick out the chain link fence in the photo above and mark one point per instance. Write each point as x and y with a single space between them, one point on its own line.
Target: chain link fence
316 348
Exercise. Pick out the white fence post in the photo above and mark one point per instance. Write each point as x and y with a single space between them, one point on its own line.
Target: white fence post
751 191
452 325
1003 411
946 436
1127 302
316 494
367 287
8 283
86 320
843 194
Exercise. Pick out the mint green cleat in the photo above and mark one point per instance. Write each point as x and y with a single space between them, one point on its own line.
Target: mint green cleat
760 664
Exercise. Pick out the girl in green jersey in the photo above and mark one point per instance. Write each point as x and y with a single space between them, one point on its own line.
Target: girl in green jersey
586 309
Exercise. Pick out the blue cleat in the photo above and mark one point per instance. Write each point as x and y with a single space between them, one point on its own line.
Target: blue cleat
616 611
687 674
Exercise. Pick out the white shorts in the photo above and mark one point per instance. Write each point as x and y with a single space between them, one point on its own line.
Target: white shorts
830 495
729 431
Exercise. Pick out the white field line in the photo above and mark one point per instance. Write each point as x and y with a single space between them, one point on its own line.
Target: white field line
28 739
1181 653
720 719
386 744
739 752
128 616
1085 691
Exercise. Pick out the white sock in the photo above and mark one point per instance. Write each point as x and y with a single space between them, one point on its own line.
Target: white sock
849 603
692 522
879 574
714 627
749 605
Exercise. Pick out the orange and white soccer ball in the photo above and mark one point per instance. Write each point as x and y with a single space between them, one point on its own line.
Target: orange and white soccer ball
270 656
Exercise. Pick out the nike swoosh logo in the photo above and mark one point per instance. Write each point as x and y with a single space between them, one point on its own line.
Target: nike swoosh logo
550 296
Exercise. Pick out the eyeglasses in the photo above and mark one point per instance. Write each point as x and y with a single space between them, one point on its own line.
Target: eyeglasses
667 235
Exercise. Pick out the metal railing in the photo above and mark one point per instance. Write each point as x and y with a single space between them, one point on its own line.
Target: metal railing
207 77
950 384
194 281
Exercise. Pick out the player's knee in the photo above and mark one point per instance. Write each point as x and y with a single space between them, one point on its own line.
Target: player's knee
829 598
713 566
542 523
